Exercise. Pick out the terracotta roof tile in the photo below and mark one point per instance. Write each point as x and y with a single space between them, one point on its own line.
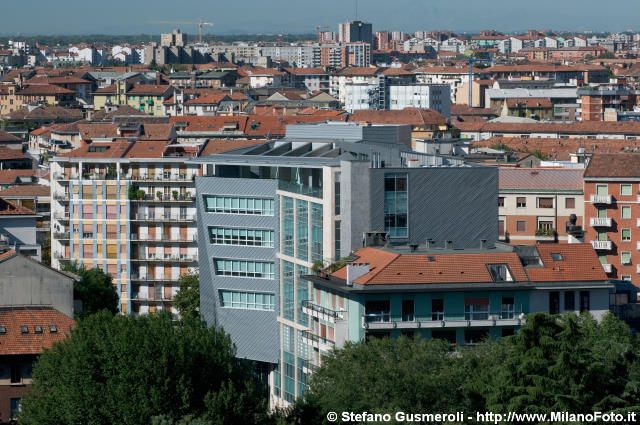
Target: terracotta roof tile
215 146
9 176
540 178
614 165
7 137
9 208
26 190
413 116
15 342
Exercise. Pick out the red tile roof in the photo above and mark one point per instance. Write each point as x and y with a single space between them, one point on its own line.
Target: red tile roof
24 190
147 149
530 102
207 99
614 165
148 90
215 146
43 90
580 263
9 176
579 127
6 137
359 71
8 153
115 149
540 178
414 116
9 208
306 71
15 342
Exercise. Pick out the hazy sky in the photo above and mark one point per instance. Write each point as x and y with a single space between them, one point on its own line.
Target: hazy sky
301 16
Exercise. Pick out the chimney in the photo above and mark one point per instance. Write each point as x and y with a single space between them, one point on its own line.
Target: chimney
429 243
413 246
356 270
158 78
483 243
448 244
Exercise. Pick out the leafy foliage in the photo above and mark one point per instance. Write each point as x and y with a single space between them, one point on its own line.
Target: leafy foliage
95 289
128 370
187 299
554 363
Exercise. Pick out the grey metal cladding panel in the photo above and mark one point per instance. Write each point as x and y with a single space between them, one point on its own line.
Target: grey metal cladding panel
241 252
330 131
255 333
236 186
457 204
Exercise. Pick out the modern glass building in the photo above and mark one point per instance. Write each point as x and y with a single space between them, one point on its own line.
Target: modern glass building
268 213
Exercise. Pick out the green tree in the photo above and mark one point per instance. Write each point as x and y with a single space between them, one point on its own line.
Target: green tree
46 252
564 363
128 370
187 299
95 289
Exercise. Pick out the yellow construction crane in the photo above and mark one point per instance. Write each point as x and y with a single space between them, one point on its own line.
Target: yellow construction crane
199 24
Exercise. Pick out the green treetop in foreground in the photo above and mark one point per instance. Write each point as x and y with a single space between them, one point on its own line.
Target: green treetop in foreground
554 363
128 370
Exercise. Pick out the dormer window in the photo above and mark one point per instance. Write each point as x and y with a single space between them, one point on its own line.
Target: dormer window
557 256
500 272
24 329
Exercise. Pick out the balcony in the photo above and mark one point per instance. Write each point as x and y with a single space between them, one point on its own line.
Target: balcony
317 341
165 198
61 235
607 268
61 216
166 258
600 222
165 217
150 278
308 367
602 245
163 238
384 321
163 178
320 312
601 199
545 235
61 197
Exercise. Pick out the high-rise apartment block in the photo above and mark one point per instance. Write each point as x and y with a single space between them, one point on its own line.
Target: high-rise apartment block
355 31
127 207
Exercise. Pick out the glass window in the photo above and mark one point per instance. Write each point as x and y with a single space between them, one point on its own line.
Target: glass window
287 226
288 291
570 203
239 205
241 237
626 211
585 301
396 204
625 189
316 232
626 234
569 301
247 300
521 226
545 202
501 201
302 236
244 268
625 258
476 309
602 189
554 302
521 202
508 308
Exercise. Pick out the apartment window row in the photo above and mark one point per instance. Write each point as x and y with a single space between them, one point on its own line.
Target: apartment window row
541 202
244 268
247 300
625 189
239 205
242 237
569 301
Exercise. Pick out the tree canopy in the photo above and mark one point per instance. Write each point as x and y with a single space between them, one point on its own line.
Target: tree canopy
187 299
128 370
95 289
554 363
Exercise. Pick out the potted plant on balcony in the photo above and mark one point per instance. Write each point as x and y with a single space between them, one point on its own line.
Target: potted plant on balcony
140 194
159 195
133 193
316 267
175 195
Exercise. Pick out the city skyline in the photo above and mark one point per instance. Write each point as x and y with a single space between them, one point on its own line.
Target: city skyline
267 17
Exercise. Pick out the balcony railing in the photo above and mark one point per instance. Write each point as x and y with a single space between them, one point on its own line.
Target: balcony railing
602 245
300 189
164 217
61 196
321 312
440 319
163 238
317 340
600 222
61 216
150 278
601 199
166 258
148 178
61 235
165 198
607 268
